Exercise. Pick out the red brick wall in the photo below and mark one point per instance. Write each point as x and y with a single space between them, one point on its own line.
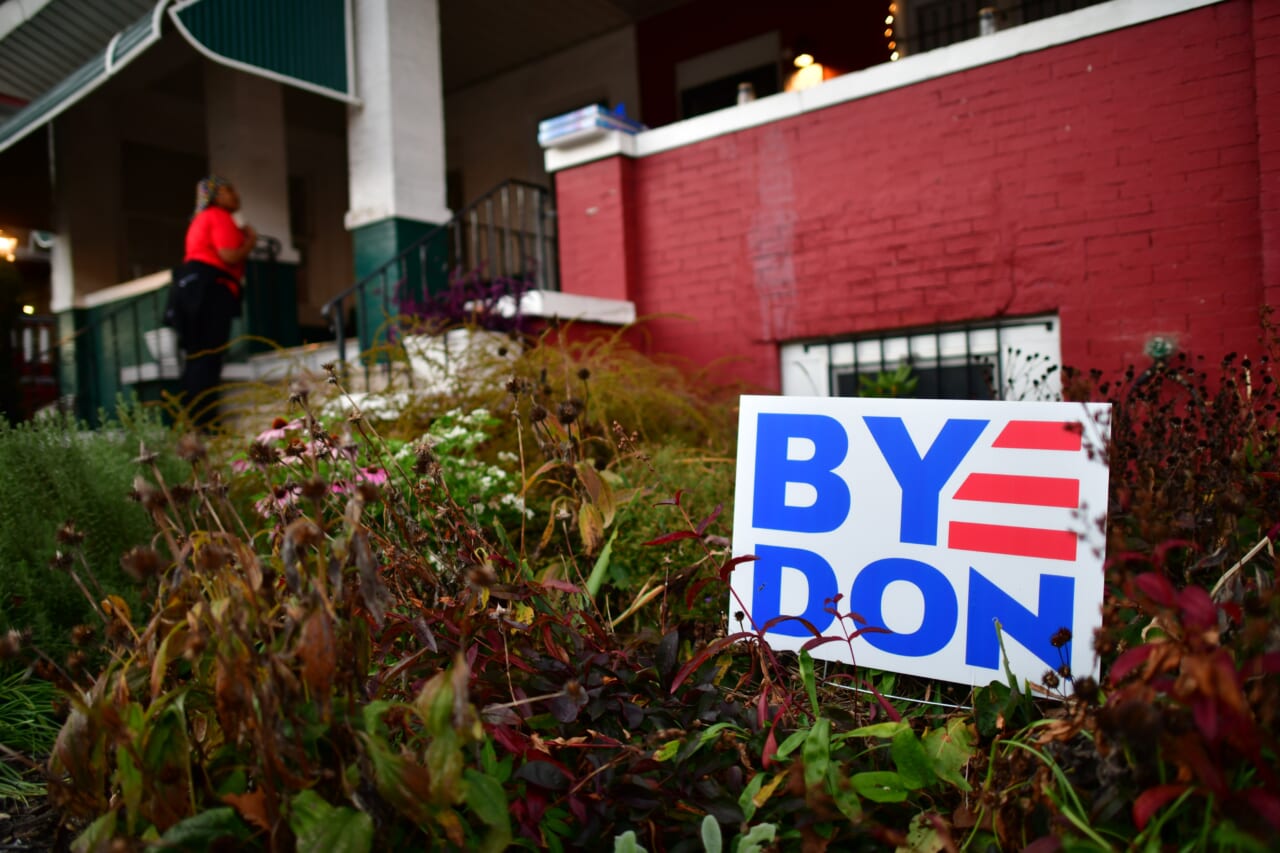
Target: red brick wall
1266 45
1114 180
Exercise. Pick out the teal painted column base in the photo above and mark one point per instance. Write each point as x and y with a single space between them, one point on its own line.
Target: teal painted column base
409 258
76 380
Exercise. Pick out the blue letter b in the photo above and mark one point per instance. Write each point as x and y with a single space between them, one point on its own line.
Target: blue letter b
774 471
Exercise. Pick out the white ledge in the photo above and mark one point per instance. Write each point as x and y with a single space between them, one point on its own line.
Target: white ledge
961 56
571 306
138 286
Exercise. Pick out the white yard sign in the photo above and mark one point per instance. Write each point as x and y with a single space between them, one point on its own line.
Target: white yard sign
933 519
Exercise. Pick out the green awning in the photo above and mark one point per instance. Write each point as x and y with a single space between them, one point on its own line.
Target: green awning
304 43
123 48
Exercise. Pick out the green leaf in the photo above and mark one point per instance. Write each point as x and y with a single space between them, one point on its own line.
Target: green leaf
601 568
667 751
949 750
97 835
712 840
790 745
810 680
755 840
320 826
486 798
909 756
885 730
626 843
817 752
199 832
746 802
880 786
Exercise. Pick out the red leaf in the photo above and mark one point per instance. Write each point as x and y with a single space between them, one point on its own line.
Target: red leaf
778 620
1165 547
1157 588
1198 610
1128 661
706 522
1150 801
1206 715
694 589
729 565
672 537
1265 803
674 501
884 703
1047 844
701 657
770 749
820 641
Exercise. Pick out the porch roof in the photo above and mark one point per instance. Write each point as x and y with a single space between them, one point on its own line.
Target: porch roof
58 51
117 50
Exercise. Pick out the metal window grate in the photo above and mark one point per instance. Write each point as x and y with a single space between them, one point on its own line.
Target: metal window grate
965 361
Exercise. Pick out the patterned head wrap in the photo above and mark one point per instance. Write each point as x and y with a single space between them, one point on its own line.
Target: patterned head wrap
207 190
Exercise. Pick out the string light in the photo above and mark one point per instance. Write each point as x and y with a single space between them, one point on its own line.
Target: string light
890 23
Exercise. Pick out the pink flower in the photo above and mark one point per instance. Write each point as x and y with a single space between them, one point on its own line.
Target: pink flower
279 429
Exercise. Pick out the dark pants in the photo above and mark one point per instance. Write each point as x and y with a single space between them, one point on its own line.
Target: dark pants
205 344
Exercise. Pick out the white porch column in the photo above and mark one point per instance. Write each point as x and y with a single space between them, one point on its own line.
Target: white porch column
395 136
395 147
244 115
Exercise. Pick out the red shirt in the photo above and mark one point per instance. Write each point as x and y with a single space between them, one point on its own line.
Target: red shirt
211 230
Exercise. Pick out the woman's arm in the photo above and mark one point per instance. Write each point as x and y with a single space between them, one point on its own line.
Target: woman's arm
239 253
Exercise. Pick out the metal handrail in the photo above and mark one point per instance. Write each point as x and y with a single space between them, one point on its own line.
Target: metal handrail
507 231
128 313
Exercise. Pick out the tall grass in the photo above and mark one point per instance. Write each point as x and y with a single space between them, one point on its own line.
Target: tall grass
27 732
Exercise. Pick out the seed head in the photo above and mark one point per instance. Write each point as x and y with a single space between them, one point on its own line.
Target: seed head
68 534
146 493
76 661
584 374
261 454
191 448
141 563
1050 679
315 489
567 412
538 413
60 561
1087 690
211 558
81 635
1060 638
10 644
423 458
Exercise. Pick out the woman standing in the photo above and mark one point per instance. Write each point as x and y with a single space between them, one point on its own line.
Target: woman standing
214 268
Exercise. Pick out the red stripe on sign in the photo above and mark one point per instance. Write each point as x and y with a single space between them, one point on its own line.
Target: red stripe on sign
1041 435
1017 489
1015 541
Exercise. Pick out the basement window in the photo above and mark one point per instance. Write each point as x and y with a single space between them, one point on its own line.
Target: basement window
1005 359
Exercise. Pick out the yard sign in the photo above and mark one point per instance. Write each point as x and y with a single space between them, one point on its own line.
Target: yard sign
934 519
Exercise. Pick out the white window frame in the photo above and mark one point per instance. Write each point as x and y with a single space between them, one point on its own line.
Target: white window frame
1020 351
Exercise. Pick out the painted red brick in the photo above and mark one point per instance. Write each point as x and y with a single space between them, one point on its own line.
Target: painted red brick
1129 182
